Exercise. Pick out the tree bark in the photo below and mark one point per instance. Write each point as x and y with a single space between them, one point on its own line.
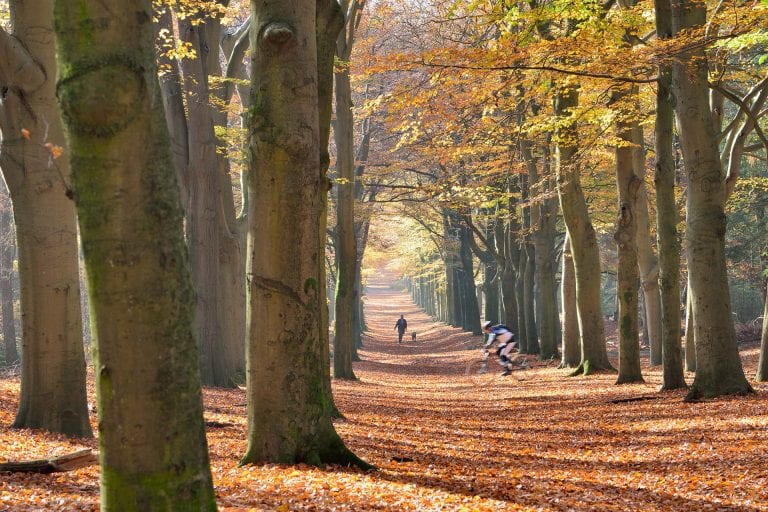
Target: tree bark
453 285
522 319
346 243
329 21
628 184
173 100
206 188
7 255
203 211
718 366
667 218
571 345
529 294
543 217
491 291
289 418
53 393
509 274
584 249
762 366
690 342
470 309
646 259
153 451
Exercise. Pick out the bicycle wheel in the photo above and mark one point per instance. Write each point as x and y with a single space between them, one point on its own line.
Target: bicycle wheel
518 365
476 371
519 361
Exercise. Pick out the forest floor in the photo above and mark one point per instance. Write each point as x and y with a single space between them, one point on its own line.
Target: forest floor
535 440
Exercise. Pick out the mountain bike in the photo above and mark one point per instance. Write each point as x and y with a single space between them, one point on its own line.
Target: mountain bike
478 370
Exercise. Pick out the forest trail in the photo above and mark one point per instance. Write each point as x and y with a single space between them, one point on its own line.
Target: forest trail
439 350
536 440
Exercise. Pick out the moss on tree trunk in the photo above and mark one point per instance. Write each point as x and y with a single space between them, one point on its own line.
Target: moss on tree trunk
289 414
153 450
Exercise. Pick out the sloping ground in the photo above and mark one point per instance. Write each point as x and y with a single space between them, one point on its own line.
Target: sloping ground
536 440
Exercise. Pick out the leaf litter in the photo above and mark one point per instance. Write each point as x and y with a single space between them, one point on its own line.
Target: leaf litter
536 440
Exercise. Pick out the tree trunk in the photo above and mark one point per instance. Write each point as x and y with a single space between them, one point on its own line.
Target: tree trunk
346 243
471 309
646 259
173 101
584 248
762 365
571 345
362 229
543 217
509 276
529 294
667 218
203 221
690 341
718 366
289 418
528 270
7 254
231 304
53 393
452 263
329 22
206 189
491 292
522 325
358 321
153 451
628 184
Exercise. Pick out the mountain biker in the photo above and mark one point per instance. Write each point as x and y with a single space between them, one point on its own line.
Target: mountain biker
506 341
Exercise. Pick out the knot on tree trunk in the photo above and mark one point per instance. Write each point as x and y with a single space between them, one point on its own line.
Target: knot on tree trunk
277 34
100 96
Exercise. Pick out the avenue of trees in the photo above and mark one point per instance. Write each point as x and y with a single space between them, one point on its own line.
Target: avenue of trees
218 167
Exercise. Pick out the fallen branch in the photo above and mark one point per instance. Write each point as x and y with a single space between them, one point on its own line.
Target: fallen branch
67 462
218 424
635 399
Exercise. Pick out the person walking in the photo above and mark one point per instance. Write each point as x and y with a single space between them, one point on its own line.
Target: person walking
401 325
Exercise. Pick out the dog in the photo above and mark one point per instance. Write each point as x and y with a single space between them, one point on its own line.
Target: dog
413 336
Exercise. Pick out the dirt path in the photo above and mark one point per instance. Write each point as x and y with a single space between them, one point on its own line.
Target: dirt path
547 442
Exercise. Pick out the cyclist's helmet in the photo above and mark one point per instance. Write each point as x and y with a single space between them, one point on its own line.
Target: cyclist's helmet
486 325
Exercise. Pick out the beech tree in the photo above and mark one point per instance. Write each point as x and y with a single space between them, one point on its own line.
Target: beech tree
289 417
628 184
718 367
344 338
667 216
7 256
581 233
152 444
196 94
52 360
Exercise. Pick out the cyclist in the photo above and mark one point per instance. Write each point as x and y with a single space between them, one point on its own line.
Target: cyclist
506 341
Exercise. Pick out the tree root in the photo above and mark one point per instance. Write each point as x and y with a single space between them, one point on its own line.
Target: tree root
696 394
587 368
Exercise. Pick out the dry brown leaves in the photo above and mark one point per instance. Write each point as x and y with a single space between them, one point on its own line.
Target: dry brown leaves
537 440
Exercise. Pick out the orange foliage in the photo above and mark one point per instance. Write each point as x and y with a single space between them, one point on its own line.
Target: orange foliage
537 440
